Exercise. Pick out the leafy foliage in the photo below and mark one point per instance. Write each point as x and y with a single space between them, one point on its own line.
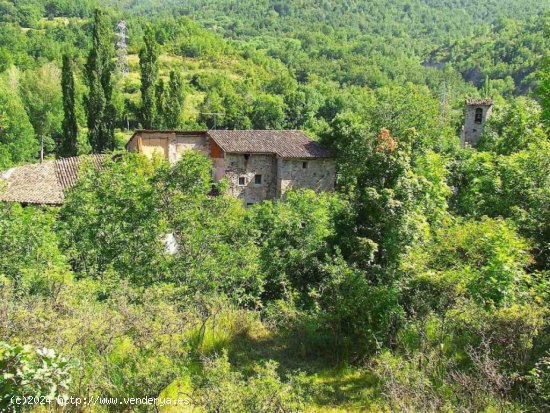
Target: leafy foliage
426 273
25 372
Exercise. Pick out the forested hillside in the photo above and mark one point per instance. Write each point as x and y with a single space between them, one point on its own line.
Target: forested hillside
420 285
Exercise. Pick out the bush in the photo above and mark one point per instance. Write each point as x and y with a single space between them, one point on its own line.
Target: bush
31 258
25 371
509 332
539 377
219 389
484 260
357 318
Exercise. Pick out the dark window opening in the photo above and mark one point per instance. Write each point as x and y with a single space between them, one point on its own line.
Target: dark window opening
214 190
249 204
242 180
258 179
246 156
304 165
479 116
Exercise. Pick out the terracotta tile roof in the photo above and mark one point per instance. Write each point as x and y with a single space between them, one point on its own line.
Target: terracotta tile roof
284 143
479 102
44 183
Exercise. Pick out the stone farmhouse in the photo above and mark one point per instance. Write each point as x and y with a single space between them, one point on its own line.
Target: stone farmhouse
257 164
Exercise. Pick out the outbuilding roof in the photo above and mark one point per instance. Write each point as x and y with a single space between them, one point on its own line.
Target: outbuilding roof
284 143
43 183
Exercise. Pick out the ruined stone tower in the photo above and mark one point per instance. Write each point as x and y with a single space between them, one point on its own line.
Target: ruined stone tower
476 113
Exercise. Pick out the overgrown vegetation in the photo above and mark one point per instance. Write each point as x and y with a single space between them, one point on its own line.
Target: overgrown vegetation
421 284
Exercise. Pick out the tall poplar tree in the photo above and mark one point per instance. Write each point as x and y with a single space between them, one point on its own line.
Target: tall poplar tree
99 68
68 145
148 63
174 101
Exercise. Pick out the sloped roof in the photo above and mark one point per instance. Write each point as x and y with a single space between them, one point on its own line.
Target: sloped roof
43 183
479 102
284 143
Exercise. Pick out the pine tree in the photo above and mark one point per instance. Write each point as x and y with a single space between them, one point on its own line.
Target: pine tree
99 68
174 101
68 145
148 63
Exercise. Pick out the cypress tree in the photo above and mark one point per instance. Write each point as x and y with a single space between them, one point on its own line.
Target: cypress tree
160 96
99 68
148 63
544 89
68 146
174 101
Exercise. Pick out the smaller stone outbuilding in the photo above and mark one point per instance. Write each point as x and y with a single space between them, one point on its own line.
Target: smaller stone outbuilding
258 164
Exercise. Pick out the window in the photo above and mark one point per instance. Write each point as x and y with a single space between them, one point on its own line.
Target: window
242 180
249 204
258 179
479 116
304 165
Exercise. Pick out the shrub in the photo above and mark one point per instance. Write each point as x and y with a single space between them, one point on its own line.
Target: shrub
31 257
25 371
539 377
219 389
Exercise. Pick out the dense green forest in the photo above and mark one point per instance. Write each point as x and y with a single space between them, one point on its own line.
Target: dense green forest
422 284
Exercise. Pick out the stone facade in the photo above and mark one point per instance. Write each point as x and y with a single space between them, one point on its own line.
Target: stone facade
476 113
251 177
317 174
255 177
169 145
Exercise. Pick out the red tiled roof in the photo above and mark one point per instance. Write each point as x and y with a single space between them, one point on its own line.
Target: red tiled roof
43 183
284 143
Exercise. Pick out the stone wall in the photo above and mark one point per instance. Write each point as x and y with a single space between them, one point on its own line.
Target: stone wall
187 142
316 174
170 145
236 166
152 143
472 131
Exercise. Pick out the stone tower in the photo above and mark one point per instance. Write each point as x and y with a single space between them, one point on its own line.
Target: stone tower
476 113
